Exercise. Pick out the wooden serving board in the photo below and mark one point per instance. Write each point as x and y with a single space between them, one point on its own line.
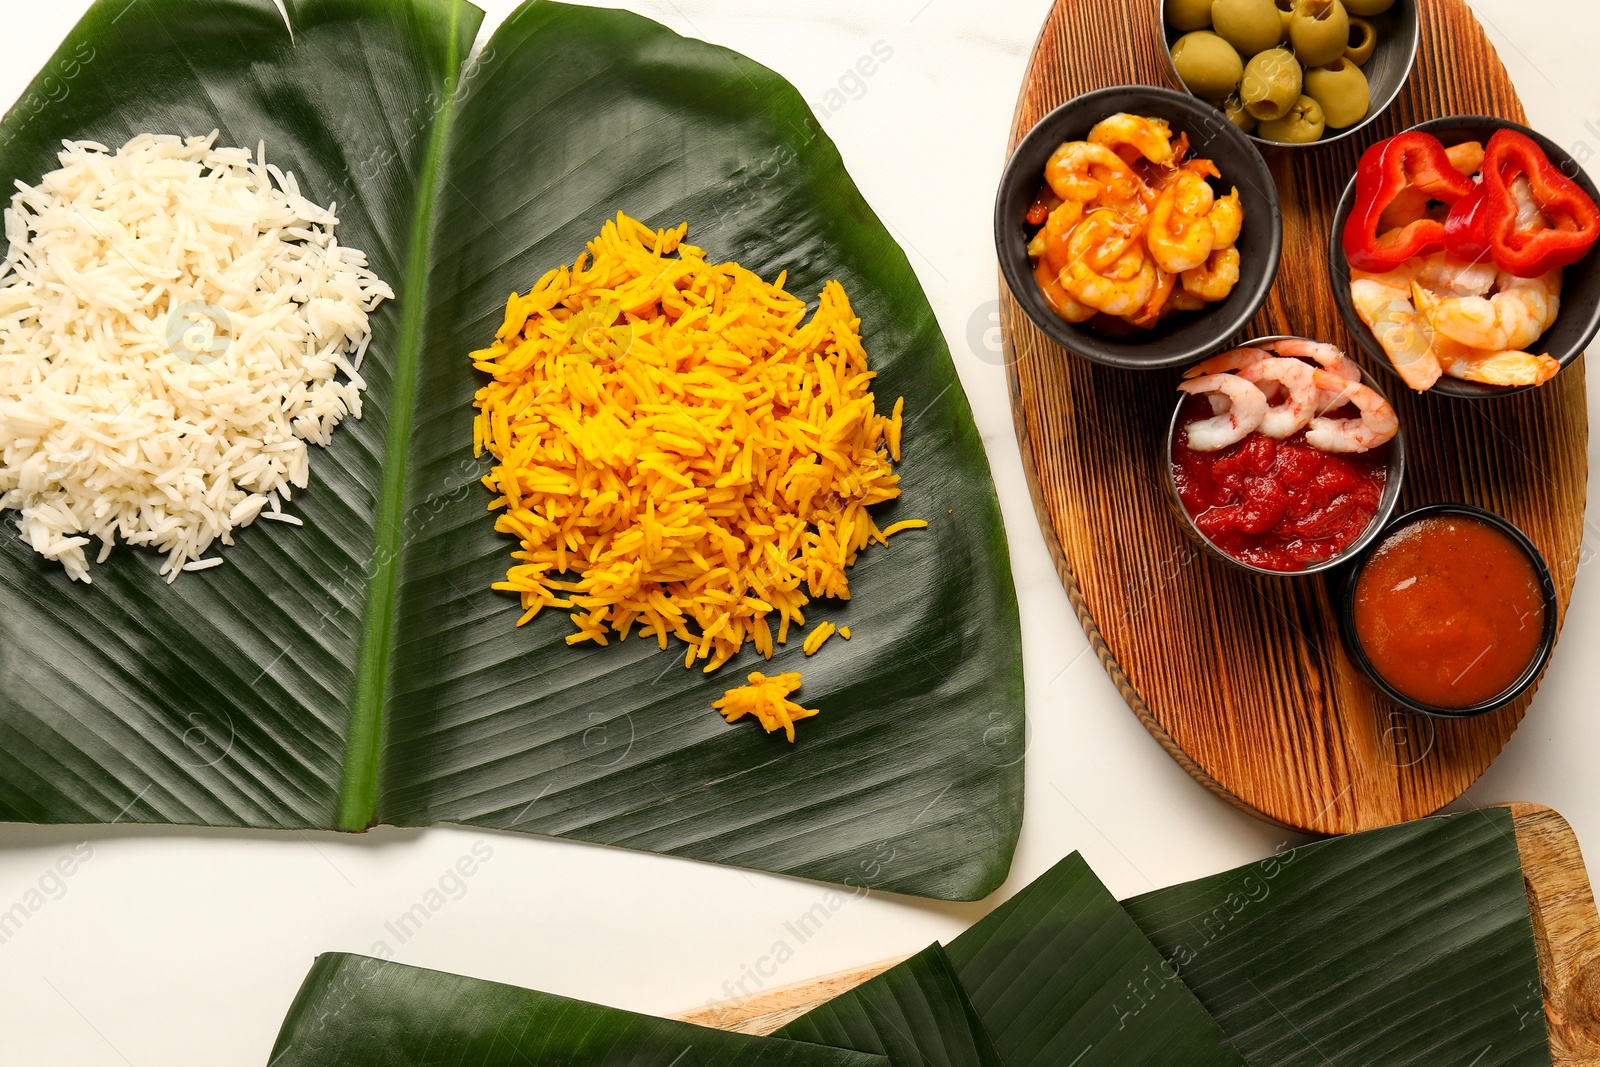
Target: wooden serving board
1243 680
1566 929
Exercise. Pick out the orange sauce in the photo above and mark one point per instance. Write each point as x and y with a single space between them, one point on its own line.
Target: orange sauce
1449 611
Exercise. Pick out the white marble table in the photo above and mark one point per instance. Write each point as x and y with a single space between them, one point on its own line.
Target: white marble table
183 948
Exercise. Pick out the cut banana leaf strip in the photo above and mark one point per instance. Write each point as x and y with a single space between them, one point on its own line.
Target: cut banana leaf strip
1410 946
356 1011
915 1013
1060 974
360 670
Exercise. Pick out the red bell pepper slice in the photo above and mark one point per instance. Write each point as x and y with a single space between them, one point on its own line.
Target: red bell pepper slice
1466 233
1413 160
1571 221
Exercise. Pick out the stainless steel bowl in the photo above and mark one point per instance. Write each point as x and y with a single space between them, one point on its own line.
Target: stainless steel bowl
1386 504
1399 34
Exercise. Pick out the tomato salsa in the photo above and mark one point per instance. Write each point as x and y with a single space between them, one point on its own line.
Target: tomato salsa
1450 611
1278 505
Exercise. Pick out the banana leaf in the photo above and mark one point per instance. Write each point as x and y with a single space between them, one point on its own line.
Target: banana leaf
356 1011
1060 974
1411 945
360 671
915 1013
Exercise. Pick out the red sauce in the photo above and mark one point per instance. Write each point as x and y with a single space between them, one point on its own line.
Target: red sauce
1450 611
1277 505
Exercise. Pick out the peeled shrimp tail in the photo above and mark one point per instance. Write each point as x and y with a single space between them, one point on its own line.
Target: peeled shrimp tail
1326 356
1375 427
1236 359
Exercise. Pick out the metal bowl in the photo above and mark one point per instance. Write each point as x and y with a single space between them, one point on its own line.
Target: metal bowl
1547 638
1399 33
1574 328
1184 338
1386 504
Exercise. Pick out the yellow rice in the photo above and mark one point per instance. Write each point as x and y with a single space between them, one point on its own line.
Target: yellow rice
677 449
818 637
768 700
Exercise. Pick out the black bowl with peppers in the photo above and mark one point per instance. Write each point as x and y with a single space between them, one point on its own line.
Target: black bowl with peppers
1578 320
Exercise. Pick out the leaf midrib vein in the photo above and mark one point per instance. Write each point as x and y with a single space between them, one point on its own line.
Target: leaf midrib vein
358 791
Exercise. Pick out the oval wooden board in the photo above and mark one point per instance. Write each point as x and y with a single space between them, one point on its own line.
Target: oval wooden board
1243 680
1565 924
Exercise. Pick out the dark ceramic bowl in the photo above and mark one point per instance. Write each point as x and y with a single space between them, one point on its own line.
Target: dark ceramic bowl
1386 504
1387 70
1547 638
1181 338
1574 328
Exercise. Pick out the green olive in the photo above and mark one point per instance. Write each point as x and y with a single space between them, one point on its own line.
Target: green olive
1320 31
1286 13
1271 83
1303 124
1234 108
1251 26
1368 7
1363 41
1207 64
1341 89
1185 16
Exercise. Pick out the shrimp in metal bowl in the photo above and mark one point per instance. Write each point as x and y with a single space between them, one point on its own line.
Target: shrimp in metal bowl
1246 407
1373 427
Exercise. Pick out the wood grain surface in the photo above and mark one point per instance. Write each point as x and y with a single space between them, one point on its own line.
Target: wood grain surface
1243 680
1566 929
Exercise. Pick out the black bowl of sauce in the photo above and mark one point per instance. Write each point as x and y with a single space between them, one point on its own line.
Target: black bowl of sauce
1451 612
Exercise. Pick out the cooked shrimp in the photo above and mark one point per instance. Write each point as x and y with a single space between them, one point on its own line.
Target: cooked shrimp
1079 170
1059 299
1512 319
1328 357
1530 214
1216 278
1296 400
1051 241
1122 291
1246 407
1227 219
1150 138
1155 309
1101 239
1183 300
1375 427
1180 234
1235 359
1442 274
1467 157
1403 334
1107 268
1504 368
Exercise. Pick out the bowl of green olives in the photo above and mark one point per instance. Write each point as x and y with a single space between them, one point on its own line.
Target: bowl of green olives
1181 338
1292 73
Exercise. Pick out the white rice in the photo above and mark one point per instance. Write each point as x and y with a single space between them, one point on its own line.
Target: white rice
177 324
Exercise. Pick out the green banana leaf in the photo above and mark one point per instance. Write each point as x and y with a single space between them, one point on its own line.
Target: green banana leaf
360 671
1061 975
1410 946
915 1013
356 1011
